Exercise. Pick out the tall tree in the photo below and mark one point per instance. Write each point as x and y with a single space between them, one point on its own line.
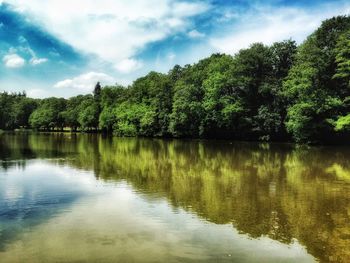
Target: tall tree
316 96
49 114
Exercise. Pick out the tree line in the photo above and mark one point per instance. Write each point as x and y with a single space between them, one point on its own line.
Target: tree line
281 92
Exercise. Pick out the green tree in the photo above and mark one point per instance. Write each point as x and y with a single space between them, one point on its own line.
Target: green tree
48 115
342 58
134 119
316 97
15 109
89 114
22 109
188 112
72 111
343 123
97 91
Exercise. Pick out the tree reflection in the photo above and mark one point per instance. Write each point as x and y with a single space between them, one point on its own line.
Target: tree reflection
277 190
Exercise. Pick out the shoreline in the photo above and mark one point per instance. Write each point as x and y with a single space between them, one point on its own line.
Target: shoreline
229 140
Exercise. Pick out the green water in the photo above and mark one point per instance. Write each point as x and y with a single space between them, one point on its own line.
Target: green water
85 198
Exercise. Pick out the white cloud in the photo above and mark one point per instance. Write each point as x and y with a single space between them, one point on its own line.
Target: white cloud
13 61
37 61
128 65
38 93
171 56
195 34
271 25
85 82
114 30
25 48
228 15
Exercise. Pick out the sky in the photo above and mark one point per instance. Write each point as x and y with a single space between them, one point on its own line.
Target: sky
62 48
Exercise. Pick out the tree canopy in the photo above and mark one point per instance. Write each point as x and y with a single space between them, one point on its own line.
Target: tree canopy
279 92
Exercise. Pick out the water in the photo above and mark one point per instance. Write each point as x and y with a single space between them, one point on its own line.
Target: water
85 198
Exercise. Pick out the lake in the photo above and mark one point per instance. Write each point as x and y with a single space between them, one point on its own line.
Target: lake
88 198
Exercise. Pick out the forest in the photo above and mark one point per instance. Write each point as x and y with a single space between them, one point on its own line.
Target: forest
281 92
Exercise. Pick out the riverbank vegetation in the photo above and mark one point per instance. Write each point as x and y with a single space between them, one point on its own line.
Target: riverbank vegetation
280 92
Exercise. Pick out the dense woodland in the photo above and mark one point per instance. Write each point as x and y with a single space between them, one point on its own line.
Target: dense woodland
281 92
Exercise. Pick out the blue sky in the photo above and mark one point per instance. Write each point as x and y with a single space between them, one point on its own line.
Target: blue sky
62 48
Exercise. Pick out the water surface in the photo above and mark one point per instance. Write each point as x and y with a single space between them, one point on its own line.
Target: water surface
85 198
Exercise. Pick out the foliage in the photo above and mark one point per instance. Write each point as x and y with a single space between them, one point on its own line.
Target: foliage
15 110
343 58
89 114
317 85
277 92
48 115
343 123
73 109
187 111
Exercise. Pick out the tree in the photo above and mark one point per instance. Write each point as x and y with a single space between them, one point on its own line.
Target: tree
316 95
48 115
15 109
154 94
72 111
269 120
111 96
89 113
97 91
276 92
343 123
342 58
128 117
107 119
187 111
